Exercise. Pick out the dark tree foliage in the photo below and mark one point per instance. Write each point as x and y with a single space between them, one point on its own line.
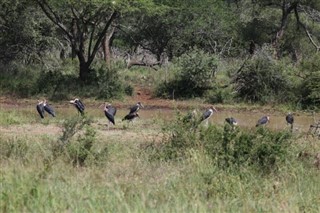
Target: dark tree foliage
25 34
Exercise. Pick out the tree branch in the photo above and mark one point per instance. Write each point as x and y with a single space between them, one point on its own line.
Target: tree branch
306 30
101 36
53 17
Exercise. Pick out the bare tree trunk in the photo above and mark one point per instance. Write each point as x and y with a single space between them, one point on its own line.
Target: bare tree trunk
287 8
83 66
106 45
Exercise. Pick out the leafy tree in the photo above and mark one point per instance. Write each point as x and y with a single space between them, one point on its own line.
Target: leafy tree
84 24
25 34
285 21
178 25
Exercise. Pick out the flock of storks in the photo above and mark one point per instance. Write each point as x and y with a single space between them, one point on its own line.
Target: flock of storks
110 112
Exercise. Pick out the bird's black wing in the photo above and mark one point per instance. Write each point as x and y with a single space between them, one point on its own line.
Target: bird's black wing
290 119
229 121
40 110
233 121
112 110
110 117
49 110
129 117
134 109
206 115
262 121
80 104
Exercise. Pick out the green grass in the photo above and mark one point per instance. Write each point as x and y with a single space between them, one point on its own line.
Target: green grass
119 174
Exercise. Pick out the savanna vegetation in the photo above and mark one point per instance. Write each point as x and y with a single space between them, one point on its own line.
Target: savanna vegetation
76 164
227 52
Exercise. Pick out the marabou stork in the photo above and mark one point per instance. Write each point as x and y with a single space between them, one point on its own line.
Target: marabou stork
131 116
263 121
231 121
290 120
208 113
136 108
48 109
110 111
40 108
78 104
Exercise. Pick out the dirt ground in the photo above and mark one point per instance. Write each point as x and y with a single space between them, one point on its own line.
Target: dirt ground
142 94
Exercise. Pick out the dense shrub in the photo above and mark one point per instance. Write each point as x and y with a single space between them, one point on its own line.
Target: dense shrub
193 77
62 82
227 146
19 79
109 83
310 87
76 144
262 79
219 94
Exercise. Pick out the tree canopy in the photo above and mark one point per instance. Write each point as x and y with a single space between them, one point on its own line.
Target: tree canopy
86 31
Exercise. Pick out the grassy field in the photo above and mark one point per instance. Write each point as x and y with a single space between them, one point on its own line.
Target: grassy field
73 164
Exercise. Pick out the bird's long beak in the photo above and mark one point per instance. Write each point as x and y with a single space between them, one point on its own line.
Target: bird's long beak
141 105
102 105
71 102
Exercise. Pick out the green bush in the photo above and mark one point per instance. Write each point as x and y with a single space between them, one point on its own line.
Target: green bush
193 76
262 80
77 141
80 149
227 146
129 90
219 95
62 82
109 83
310 87
19 79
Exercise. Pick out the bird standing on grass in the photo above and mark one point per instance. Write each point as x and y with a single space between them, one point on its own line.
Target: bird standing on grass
79 105
133 113
263 121
110 111
40 108
131 116
207 114
48 109
136 108
231 121
290 120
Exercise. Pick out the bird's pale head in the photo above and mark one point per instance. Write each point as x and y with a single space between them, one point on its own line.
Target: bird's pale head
213 109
